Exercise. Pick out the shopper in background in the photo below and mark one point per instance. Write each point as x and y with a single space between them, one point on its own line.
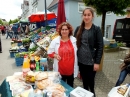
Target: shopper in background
3 29
15 30
125 69
64 51
27 30
8 32
90 49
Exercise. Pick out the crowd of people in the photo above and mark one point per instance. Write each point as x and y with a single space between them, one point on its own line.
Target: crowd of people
13 30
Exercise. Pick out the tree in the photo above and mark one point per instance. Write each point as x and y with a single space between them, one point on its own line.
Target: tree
15 20
10 21
103 6
1 22
5 23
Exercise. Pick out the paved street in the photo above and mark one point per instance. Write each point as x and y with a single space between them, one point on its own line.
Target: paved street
105 79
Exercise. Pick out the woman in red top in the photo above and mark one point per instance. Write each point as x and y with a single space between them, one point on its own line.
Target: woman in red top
63 49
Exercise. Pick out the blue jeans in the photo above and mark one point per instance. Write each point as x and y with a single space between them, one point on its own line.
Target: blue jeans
122 76
9 34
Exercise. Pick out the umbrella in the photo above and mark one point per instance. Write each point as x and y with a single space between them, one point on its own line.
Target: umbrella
39 16
61 13
25 20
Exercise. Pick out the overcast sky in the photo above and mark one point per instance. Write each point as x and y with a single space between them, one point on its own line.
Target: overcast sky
10 9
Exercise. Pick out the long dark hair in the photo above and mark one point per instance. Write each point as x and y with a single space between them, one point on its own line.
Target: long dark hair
81 28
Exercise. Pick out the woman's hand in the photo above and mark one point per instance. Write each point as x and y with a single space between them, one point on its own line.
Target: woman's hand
57 57
79 76
96 67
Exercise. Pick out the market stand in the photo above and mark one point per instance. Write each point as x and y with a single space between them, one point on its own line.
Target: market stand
41 39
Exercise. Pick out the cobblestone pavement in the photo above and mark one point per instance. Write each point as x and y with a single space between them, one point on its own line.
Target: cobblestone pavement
106 79
104 82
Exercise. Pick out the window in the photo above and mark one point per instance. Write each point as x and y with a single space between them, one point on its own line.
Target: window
81 7
108 31
119 25
127 24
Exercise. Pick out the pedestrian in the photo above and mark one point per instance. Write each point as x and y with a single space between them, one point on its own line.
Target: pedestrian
64 51
15 30
0 28
3 30
27 30
125 69
90 49
8 32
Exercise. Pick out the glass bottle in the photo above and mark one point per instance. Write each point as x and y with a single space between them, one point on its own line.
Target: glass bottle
32 63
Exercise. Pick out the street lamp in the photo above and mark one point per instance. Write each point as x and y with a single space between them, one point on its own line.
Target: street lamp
45 14
0 44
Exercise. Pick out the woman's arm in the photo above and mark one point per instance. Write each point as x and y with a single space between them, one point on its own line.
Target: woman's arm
99 47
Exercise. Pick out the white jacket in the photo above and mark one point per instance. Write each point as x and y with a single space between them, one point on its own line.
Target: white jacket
54 46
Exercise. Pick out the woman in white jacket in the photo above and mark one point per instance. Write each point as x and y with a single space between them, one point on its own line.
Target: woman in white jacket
64 51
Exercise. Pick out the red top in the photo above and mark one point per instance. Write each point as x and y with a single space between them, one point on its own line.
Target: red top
2 28
66 52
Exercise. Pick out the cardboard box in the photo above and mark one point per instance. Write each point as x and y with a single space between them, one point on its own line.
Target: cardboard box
114 93
80 92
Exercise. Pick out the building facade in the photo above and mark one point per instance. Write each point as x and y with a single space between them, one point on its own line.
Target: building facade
73 11
32 6
25 9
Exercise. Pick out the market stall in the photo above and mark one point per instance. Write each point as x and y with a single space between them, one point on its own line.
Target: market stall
36 79
6 91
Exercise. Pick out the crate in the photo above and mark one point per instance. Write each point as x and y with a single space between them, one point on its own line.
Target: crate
19 44
12 54
113 45
19 61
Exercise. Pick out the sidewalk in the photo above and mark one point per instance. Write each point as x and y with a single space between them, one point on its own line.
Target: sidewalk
105 80
7 66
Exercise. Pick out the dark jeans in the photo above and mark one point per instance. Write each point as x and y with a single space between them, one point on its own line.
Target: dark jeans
9 34
69 79
15 35
122 77
88 77
3 32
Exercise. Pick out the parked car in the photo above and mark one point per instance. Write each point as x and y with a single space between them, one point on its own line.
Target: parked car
121 32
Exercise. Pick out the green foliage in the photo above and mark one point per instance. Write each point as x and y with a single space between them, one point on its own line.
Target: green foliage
103 6
13 21
5 23
120 44
10 22
116 6
33 49
1 22
39 30
25 41
20 54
